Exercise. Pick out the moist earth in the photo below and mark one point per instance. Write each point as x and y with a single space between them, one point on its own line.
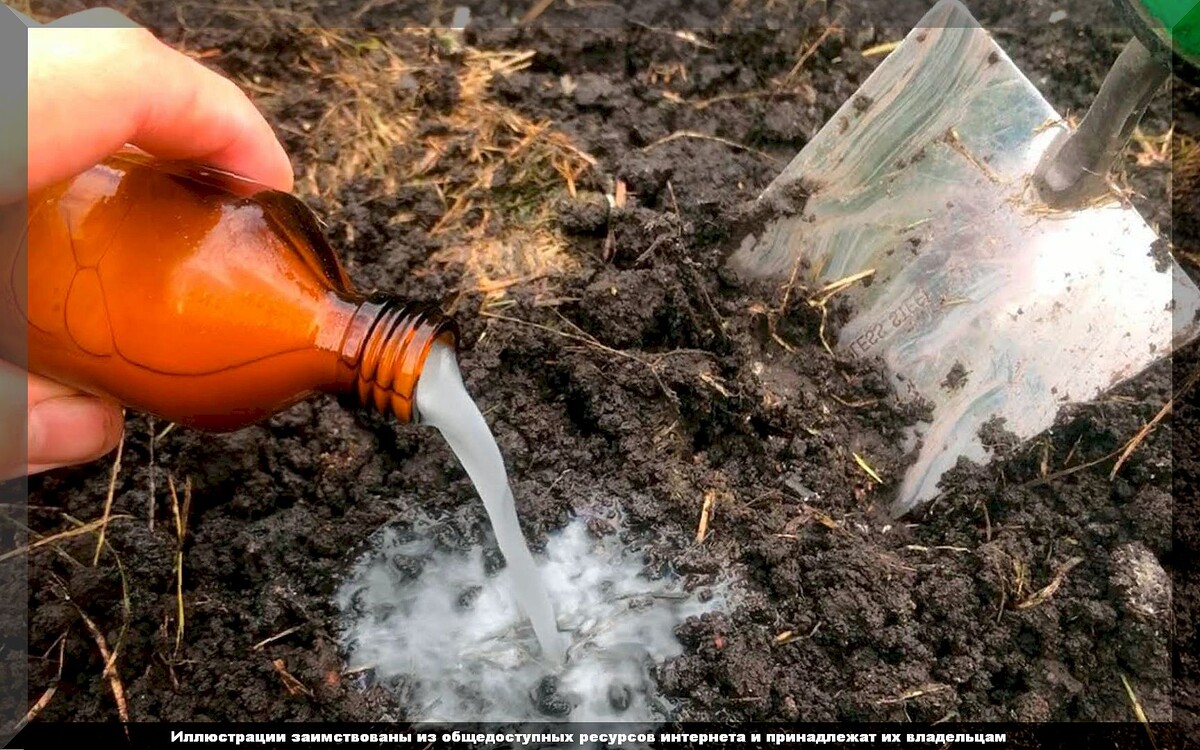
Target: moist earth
633 387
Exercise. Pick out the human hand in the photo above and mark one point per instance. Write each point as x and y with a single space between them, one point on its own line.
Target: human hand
97 83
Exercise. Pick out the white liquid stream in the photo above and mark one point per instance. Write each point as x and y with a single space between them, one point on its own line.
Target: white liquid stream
443 402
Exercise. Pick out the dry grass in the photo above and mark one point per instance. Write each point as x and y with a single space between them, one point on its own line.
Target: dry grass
108 500
1042 595
706 514
866 467
180 514
292 685
110 666
495 171
48 694
1138 712
706 137
1152 150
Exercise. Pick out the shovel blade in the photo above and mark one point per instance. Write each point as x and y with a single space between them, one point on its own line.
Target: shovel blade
982 301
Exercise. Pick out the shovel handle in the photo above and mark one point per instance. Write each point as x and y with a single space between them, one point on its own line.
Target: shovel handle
1075 168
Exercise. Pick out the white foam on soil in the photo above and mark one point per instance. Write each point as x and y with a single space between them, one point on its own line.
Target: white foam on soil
455 644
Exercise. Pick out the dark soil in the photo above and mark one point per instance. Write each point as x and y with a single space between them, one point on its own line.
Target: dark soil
685 393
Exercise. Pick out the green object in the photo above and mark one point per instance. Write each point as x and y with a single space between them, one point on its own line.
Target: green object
1176 23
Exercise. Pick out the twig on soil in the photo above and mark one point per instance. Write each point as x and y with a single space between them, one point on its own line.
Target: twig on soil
1071 453
277 637
1047 591
809 52
928 689
1137 439
786 636
62 535
590 341
987 523
1069 471
715 383
110 668
537 9
290 683
674 203
854 404
1154 149
1138 711
557 479
706 137
939 548
126 607
820 300
48 694
1191 381
649 363
369 6
706 513
862 464
740 96
181 518
108 501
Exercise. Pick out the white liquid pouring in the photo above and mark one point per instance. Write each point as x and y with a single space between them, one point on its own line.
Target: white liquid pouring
442 401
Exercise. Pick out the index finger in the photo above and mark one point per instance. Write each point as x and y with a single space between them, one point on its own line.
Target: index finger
102 82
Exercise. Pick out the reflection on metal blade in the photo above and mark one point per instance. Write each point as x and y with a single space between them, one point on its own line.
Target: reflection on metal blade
923 176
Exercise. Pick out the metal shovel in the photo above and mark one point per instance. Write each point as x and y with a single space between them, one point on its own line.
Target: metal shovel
987 261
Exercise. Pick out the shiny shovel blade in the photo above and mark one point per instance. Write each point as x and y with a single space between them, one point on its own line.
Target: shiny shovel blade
982 301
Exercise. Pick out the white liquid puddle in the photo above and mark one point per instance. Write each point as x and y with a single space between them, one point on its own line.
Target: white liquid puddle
457 644
454 645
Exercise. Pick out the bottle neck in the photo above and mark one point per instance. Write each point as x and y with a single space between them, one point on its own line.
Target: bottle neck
384 351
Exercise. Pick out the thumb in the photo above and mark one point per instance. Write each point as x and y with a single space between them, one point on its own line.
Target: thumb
67 427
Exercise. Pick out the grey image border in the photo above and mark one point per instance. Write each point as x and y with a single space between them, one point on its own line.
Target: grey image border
14 494
900 16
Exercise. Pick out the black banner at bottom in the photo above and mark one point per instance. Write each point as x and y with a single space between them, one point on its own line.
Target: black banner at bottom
715 736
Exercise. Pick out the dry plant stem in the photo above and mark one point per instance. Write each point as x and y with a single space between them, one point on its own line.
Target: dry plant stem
48 694
809 52
706 512
862 464
108 500
1137 439
1042 595
537 9
820 300
110 669
706 137
650 364
1138 711
290 683
181 516
61 536
126 606
277 637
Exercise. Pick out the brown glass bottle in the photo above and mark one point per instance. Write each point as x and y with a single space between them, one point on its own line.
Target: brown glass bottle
207 299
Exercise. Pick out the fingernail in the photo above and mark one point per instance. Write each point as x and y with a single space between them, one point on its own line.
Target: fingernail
71 430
